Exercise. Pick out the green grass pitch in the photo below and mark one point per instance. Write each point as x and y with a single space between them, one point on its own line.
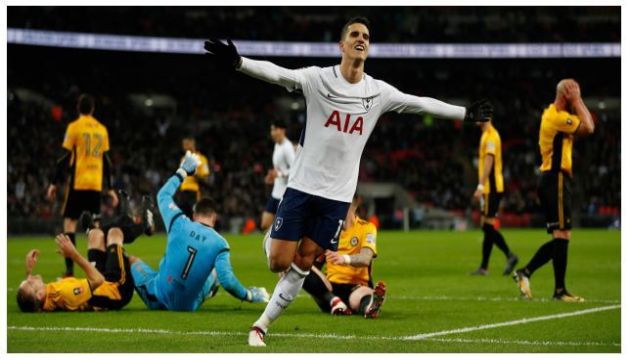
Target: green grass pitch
430 296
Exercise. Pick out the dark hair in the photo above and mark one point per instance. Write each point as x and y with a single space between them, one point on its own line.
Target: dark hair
355 20
278 123
85 104
26 303
205 206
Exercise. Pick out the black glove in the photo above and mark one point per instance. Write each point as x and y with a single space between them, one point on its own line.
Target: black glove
479 111
224 54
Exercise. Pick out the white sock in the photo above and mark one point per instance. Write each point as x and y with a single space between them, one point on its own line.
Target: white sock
285 292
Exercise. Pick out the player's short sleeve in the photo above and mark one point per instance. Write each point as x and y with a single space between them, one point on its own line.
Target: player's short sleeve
75 293
491 144
566 122
370 238
203 168
69 140
105 140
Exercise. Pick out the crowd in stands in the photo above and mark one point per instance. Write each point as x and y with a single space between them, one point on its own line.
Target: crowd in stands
230 115
390 24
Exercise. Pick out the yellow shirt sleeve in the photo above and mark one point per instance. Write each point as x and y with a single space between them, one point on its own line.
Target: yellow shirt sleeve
369 240
105 141
566 122
69 140
203 169
492 142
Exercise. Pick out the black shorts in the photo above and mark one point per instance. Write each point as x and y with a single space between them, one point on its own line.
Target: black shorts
304 215
186 200
272 205
555 196
490 204
343 291
77 201
115 267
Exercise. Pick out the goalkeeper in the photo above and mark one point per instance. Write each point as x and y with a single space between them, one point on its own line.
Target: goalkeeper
196 259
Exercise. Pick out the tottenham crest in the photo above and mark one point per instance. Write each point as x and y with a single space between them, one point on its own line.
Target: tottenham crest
367 103
278 223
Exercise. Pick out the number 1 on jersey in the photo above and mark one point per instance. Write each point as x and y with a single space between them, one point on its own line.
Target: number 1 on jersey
188 263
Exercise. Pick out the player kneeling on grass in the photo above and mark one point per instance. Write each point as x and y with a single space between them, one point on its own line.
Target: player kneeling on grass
348 279
186 275
109 285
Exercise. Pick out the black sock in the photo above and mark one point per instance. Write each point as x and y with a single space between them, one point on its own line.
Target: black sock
364 302
560 263
69 264
315 286
130 230
542 256
499 241
487 246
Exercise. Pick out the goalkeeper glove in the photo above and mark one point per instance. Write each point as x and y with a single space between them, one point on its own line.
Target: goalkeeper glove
225 55
189 164
257 295
479 111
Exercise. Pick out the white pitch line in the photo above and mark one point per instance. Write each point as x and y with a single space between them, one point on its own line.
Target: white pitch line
418 337
511 323
494 299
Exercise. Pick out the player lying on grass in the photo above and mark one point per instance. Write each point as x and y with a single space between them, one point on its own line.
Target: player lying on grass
108 286
186 275
348 277
343 106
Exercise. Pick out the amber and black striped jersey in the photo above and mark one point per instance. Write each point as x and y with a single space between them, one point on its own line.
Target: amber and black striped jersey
87 139
556 139
362 234
72 294
190 183
491 144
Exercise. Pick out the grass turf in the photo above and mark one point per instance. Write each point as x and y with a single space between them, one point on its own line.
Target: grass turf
429 290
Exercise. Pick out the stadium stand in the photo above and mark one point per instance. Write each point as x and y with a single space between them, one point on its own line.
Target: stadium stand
150 101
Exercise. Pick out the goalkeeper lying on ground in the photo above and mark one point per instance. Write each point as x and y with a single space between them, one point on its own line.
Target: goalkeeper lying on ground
347 287
186 275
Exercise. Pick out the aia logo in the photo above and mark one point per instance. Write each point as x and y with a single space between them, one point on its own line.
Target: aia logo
347 125
367 103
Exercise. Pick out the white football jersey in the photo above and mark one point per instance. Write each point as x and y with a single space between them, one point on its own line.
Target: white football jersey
283 157
340 118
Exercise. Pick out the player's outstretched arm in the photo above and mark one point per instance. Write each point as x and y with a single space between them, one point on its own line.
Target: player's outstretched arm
165 197
362 259
479 111
232 285
226 55
67 249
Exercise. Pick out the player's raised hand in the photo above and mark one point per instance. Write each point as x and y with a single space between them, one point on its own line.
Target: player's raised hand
51 193
65 246
479 111
257 295
31 260
224 54
190 162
